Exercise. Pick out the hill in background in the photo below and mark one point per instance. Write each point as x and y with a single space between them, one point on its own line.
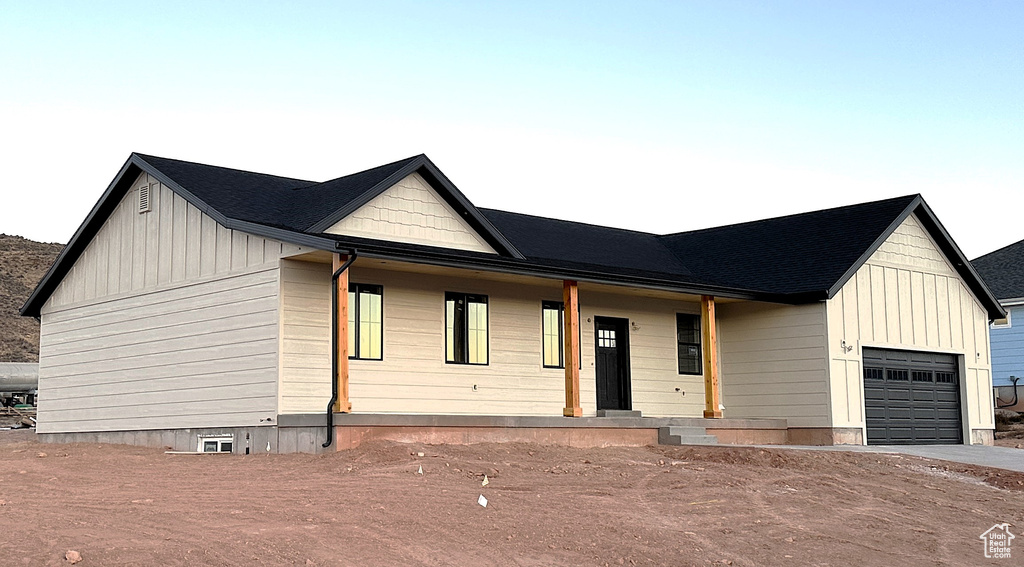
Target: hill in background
22 264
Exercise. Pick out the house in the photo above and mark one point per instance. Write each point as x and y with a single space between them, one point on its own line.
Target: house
1003 271
212 309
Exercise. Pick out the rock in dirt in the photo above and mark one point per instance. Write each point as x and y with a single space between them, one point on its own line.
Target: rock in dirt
1007 415
73 556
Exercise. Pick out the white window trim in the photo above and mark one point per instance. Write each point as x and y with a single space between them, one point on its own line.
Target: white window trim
220 439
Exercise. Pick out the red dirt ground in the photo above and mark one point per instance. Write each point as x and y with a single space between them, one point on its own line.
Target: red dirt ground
121 505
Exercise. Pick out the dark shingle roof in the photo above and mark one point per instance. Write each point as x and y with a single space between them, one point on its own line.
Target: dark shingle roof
795 258
1003 271
237 194
293 204
572 243
793 254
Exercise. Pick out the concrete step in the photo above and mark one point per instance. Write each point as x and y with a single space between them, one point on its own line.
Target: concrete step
618 413
677 435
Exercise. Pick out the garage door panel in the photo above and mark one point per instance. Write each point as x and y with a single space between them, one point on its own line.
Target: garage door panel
923 396
911 397
898 395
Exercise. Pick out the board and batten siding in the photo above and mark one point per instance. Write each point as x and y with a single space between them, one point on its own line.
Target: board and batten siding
773 362
1008 348
166 320
414 378
907 296
411 211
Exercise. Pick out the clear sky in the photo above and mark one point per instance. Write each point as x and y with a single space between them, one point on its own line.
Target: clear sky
656 116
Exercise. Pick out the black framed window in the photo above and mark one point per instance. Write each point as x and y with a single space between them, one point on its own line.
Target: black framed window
365 321
553 315
553 334
465 325
688 339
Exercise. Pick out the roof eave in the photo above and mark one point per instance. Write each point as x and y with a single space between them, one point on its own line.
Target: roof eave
75 246
962 265
946 245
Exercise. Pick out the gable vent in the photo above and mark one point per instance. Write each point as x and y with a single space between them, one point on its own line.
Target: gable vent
144 198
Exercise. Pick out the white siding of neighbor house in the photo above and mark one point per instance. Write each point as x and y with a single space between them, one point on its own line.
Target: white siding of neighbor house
411 211
413 377
773 362
167 320
908 296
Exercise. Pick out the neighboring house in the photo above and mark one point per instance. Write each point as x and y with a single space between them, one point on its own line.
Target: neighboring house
194 308
1003 271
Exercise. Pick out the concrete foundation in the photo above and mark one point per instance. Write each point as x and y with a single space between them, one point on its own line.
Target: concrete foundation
247 440
825 436
983 437
306 433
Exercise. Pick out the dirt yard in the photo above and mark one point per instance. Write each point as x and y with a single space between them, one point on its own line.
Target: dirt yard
120 505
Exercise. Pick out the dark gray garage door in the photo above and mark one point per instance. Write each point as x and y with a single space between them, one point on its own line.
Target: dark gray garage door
911 397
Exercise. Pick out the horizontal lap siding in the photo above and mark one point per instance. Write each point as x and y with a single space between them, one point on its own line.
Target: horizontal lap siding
1007 356
773 361
413 377
167 320
144 368
654 363
305 337
907 296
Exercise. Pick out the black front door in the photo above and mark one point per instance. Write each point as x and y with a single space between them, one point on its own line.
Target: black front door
612 366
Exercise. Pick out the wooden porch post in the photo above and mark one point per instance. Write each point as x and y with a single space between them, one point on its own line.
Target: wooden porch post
342 404
710 333
571 358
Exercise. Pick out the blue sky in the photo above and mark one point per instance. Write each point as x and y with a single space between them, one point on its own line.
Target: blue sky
658 116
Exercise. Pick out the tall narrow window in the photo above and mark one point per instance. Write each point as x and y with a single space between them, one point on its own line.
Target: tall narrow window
553 315
465 328
688 339
365 316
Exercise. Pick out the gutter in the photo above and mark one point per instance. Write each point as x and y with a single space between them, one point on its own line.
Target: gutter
334 346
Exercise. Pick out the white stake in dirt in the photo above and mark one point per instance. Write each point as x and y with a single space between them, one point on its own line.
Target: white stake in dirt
482 501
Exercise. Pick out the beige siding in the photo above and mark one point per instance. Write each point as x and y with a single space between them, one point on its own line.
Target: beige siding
197 355
907 296
172 244
305 337
167 320
774 362
413 377
411 211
